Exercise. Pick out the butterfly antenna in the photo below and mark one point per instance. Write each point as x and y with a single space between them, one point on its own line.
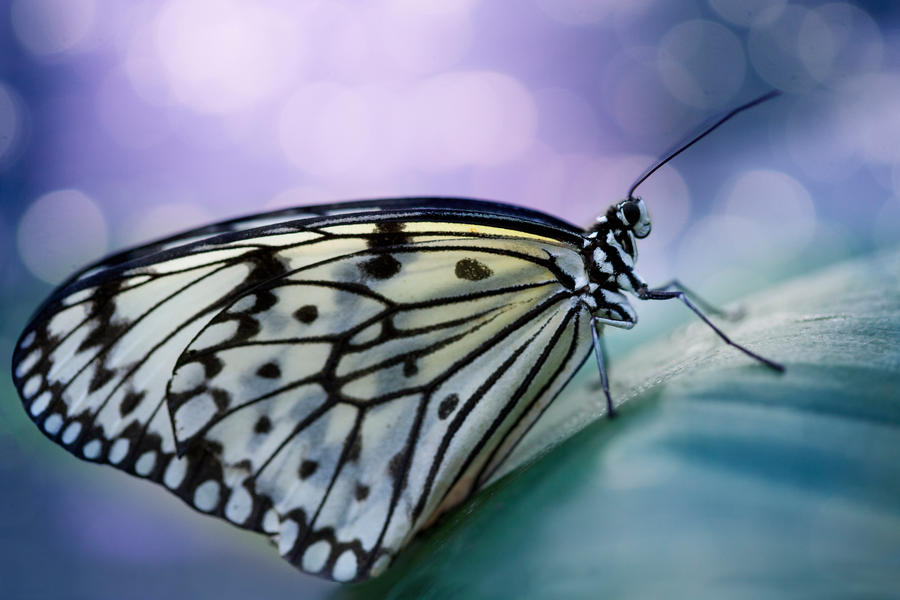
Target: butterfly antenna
700 136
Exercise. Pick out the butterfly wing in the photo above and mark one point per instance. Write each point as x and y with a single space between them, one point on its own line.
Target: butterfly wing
275 217
335 382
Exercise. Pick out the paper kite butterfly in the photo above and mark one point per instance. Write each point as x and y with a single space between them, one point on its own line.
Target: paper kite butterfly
334 377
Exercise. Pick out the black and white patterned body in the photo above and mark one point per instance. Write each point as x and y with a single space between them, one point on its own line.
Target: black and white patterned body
335 377
610 255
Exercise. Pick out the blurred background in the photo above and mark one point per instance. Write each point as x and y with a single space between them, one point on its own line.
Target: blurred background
120 122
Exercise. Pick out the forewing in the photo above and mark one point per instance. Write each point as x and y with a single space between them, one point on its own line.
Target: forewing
316 213
352 398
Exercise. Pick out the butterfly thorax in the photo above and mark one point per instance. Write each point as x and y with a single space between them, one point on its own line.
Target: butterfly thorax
610 253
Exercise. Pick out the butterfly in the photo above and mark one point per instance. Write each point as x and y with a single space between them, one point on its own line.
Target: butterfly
335 377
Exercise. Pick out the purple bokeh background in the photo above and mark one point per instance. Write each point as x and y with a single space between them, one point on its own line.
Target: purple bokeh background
122 121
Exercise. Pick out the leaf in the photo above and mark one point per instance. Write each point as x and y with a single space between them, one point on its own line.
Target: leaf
719 478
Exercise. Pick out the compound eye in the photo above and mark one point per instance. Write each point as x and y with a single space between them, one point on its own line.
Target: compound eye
631 212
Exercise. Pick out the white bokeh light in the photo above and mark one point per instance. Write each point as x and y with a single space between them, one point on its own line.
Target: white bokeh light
820 136
748 12
12 122
222 56
326 129
421 37
839 40
760 215
791 52
60 232
815 46
469 118
431 8
715 244
537 179
146 73
344 42
437 124
640 103
47 27
803 48
874 119
775 202
701 63
392 135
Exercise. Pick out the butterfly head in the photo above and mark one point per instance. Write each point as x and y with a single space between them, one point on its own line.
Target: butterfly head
630 214
610 248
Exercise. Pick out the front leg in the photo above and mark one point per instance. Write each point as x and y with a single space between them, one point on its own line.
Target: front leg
600 354
667 294
728 315
609 307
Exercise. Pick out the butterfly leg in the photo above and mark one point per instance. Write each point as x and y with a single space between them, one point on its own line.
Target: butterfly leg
600 354
729 315
663 294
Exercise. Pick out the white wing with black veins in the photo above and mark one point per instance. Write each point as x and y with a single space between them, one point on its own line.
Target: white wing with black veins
336 383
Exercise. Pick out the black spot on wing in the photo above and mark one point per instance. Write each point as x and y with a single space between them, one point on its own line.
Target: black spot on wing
101 377
102 312
410 367
263 300
214 447
263 425
269 370
130 402
447 406
387 234
248 325
395 466
307 468
473 270
212 365
383 266
306 314
361 492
